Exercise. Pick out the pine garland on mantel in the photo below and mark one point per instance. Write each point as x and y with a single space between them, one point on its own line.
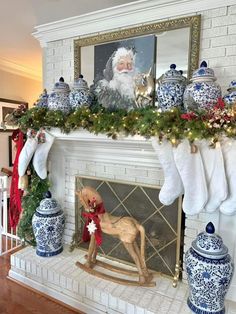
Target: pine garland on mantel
173 125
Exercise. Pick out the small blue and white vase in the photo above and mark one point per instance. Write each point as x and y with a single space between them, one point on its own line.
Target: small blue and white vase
171 89
42 102
230 98
48 225
59 98
209 269
80 95
203 92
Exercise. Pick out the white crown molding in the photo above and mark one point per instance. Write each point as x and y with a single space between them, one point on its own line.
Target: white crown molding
17 69
126 15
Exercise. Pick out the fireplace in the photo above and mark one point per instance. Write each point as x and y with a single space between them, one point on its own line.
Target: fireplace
161 223
81 158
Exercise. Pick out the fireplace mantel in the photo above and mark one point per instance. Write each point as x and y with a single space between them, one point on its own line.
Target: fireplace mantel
133 150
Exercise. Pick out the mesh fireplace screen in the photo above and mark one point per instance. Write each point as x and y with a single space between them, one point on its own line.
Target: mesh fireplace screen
162 223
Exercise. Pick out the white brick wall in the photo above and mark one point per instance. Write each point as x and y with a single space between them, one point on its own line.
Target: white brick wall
218 44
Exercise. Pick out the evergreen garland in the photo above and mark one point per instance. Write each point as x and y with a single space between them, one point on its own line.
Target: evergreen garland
173 124
35 193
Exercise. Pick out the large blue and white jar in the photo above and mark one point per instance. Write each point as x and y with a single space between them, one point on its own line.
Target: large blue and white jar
59 98
48 225
42 102
203 92
80 95
230 98
171 89
209 270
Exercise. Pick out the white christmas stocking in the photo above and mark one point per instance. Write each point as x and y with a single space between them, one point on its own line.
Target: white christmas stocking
27 152
215 174
173 186
192 173
41 155
228 207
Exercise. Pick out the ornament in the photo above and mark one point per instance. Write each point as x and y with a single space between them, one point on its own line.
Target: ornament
91 227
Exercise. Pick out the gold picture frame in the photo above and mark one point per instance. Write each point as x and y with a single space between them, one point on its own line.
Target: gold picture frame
193 22
7 106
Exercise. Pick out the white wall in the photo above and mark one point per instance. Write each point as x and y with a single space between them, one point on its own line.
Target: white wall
19 88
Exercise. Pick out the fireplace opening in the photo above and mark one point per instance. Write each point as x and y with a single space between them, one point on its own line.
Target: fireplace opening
164 235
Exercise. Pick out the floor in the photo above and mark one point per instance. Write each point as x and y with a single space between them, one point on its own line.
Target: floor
15 299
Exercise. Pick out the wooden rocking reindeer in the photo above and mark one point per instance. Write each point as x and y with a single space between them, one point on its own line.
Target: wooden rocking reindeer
124 228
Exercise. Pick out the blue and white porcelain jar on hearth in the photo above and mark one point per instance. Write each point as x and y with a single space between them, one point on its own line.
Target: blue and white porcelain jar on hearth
48 225
59 98
209 269
171 89
230 98
80 95
203 92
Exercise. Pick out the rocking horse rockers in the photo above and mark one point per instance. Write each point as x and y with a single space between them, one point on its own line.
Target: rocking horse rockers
124 228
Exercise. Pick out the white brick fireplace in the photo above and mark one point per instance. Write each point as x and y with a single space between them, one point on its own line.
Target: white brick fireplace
132 159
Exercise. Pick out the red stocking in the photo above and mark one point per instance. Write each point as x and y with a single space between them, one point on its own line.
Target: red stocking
15 193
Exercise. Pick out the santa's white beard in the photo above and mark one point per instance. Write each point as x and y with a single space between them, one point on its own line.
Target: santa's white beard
123 82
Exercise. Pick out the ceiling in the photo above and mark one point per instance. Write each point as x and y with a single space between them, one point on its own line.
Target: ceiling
19 49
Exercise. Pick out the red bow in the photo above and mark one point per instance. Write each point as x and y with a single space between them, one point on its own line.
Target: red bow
99 209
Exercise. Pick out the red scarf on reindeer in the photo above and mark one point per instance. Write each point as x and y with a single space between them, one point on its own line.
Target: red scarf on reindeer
93 216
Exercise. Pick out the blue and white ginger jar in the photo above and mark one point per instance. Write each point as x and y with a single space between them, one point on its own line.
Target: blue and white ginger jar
80 95
171 89
203 92
59 98
48 225
42 102
230 98
209 270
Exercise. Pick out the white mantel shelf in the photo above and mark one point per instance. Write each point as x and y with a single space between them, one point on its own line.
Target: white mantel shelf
135 150
84 135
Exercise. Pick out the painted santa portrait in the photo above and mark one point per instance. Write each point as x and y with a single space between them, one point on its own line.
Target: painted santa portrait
115 80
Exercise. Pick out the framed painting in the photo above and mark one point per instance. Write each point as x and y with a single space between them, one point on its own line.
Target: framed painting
7 106
175 41
121 68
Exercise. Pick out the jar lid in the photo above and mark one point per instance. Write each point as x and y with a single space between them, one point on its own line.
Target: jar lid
232 86
48 205
209 244
80 83
61 86
173 75
203 73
